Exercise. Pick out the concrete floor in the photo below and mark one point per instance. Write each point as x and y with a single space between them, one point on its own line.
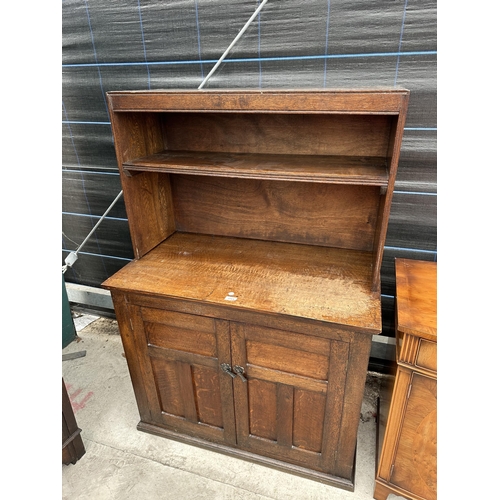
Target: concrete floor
123 463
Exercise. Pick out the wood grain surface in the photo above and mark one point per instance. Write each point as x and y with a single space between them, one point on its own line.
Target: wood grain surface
318 214
258 100
416 285
364 170
325 284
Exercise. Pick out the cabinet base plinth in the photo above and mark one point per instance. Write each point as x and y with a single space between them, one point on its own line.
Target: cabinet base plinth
338 482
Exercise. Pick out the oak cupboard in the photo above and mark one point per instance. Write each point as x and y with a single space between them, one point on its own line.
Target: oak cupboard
408 461
258 221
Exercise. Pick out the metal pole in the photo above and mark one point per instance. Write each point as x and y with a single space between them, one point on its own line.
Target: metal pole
233 43
73 256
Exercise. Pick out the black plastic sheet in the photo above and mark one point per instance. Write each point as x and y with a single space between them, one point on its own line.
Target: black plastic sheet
128 45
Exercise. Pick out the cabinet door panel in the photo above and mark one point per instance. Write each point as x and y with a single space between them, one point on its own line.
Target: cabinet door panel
415 464
168 387
308 418
184 353
284 359
281 410
279 377
263 403
181 332
207 395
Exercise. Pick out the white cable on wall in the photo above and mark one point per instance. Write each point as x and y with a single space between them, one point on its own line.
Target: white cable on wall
233 43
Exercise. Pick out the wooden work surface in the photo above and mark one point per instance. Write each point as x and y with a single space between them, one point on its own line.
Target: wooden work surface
319 283
416 289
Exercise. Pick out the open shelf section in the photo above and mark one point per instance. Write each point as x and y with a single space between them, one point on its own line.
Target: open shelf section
361 170
319 283
308 167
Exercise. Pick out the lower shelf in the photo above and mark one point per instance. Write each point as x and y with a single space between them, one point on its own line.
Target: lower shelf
251 457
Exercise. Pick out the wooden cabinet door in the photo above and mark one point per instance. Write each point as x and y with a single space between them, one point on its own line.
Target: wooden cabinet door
187 390
289 408
415 462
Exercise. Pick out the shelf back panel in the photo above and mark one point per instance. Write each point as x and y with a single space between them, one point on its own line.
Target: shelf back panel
346 135
292 212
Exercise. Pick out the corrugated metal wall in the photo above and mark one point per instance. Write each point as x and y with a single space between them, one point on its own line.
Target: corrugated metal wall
139 44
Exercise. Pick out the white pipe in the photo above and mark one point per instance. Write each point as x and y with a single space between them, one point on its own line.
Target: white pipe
233 43
99 221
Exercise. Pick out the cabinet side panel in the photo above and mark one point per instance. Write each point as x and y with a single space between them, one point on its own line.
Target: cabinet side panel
290 212
394 421
136 135
359 353
148 199
134 345
392 154
147 196
415 464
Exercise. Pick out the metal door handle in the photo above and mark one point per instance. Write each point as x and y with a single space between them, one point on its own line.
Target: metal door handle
227 369
239 370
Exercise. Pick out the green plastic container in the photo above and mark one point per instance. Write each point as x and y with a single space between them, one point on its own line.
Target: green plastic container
68 326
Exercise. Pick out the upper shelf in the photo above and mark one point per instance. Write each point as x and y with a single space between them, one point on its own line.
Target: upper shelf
360 170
